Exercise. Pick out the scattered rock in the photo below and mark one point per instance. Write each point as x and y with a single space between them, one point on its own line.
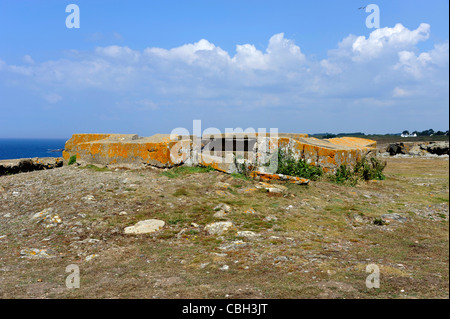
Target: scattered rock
88 199
218 228
224 207
123 213
222 185
418 148
270 218
180 233
250 211
48 217
220 214
145 227
247 234
233 245
224 267
90 257
15 166
394 217
36 253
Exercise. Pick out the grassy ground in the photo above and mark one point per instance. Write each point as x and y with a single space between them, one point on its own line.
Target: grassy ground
311 241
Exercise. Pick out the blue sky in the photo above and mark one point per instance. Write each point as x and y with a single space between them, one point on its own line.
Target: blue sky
148 67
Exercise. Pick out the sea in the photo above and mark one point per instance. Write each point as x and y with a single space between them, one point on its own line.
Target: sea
12 148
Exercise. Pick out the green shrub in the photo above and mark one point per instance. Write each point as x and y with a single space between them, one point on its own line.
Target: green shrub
72 160
364 170
287 165
370 169
345 175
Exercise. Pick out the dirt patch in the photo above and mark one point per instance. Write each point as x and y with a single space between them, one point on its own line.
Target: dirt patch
310 241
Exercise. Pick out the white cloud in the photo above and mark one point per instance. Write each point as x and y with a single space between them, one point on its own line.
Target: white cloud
52 98
28 59
381 70
399 92
118 52
386 39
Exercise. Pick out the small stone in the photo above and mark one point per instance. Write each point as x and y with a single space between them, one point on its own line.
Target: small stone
250 211
222 185
224 207
7 215
180 233
220 214
394 217
123 213
270 218
247 234
233 245
218 228
203 265
43 213
36 253
194 225
145 227
224 267
88 198
90 257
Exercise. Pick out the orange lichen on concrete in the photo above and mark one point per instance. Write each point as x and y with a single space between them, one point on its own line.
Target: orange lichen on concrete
267 177
107 149
81 138
354 142
167 151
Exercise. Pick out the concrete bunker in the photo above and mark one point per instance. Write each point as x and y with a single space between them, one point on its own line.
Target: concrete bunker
224 152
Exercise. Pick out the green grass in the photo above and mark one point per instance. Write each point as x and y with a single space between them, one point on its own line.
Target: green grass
240 176
185 170
180 192
72 160
96 168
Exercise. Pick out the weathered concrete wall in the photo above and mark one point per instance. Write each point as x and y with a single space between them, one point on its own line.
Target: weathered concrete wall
125 150
162 151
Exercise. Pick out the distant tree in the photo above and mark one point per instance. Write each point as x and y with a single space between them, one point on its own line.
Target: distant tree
439 133
405 132
426 132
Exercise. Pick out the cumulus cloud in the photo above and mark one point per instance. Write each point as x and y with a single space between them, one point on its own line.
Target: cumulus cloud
384 40
374 71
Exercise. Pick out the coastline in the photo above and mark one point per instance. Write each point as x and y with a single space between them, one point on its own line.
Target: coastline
22 165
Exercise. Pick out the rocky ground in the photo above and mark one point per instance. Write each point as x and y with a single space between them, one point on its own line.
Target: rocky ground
214 235
415 149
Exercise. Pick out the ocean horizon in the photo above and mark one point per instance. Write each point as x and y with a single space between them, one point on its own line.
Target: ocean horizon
14 148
